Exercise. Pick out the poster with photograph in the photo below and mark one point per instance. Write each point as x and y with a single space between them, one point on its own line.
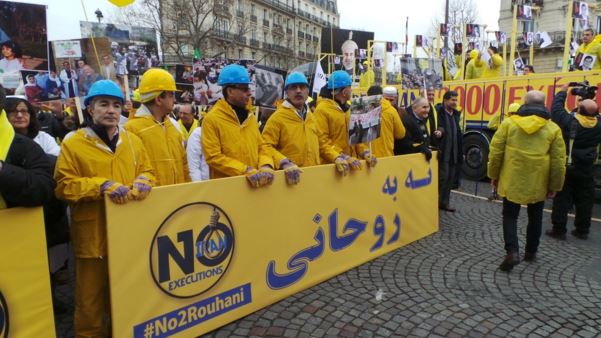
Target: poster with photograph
23 41
67 49
524 12
364 124
383 58
518 65
501 37
421 73
39 86
472 30
580 10
587 61
184 74
269 84
347 44
185 93
419 41
444 30
77 74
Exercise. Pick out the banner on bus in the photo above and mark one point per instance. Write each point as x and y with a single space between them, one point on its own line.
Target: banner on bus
25 300
194 257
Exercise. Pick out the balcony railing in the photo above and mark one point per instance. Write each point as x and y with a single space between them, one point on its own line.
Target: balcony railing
239 13
253 18
240 39
221 34
254 42
266 45
265 23
288 30
301 34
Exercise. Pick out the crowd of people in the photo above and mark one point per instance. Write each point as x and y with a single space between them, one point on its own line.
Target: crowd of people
122 149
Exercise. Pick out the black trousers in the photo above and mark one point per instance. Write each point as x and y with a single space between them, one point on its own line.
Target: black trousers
578 190
511 211
446 178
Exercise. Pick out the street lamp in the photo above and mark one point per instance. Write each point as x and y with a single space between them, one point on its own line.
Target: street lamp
99 15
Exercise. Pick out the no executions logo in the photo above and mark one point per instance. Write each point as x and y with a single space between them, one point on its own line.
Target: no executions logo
191 250
3 317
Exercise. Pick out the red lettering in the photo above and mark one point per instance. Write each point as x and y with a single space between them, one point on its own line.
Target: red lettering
492 99
460 95
474 100
513 96
598 97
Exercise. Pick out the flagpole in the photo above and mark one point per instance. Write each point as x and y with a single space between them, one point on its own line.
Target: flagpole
514 28
568 37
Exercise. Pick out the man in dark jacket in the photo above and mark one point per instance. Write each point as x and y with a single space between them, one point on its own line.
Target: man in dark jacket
25 171
451 147
582 135
417 134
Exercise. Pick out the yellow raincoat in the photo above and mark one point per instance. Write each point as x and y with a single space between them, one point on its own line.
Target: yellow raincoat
391 128
334 124
497 67
84 164
165 147
298 140
474 69
527 157
229 147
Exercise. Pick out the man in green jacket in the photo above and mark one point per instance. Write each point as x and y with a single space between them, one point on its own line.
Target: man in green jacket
526 163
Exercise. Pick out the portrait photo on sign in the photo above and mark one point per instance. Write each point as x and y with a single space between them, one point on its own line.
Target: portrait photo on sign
421 73
587 61
269 85
205 75
364 124
347 44
580 10
23 41
518 65
41 86
185 93
472 30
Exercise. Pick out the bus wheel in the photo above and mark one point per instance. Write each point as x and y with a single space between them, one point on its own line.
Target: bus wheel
475 149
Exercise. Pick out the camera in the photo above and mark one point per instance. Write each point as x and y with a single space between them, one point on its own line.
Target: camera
583 89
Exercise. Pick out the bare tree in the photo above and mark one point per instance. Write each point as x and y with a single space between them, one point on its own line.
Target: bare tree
182 25
461 12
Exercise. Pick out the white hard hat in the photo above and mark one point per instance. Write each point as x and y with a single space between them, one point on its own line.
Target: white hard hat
389 90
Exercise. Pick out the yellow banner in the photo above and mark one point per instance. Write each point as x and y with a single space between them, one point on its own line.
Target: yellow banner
25 300
194 257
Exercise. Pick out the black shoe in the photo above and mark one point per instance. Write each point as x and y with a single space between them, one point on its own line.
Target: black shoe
530 257
556 234
446 208
512 259
579 234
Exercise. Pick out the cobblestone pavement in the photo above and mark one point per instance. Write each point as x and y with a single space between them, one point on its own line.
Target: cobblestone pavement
446 285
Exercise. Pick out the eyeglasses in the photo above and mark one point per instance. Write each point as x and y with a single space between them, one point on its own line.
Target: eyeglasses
242 88
23 112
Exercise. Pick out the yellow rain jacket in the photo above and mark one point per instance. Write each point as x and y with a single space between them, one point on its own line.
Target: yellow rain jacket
391 128
165 147
497 67
84 164
229 147
592 48
289 136
185 132
527 157
474 69
367 79
334 124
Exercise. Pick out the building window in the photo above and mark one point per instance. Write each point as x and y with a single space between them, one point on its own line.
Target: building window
264 14
239 5
239 53
252 9
528 26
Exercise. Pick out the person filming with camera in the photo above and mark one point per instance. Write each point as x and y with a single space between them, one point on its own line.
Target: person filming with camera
582 135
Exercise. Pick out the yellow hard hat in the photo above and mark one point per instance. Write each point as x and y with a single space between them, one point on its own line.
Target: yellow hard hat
155 80
513 108
136 96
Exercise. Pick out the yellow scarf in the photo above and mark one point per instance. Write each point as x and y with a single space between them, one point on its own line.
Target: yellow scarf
586 121
184 131
7 134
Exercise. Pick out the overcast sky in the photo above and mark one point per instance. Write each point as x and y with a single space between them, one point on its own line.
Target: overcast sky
384 17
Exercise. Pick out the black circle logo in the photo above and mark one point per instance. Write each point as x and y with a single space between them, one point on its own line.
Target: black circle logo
191 250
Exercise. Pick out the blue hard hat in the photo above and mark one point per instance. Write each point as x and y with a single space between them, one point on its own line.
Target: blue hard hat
104 88
233 74
339 79
296 78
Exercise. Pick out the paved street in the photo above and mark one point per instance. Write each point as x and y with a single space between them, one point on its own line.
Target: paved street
446 285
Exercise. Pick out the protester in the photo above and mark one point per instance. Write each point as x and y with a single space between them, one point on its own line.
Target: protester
22 116
528 70
333 115
162 140
199 169
292 133
11 57
417 137
591 46
432 122
51 118
496 64
186 120
582 136
231 141
475 66
97 161
526 163
451 147
391 127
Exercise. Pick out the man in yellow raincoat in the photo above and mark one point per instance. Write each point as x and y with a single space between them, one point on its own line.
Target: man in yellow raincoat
591 45
475 67
96 161
292 133
186 121
526 163
391 127
162 140
333 117
231 141
495 67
